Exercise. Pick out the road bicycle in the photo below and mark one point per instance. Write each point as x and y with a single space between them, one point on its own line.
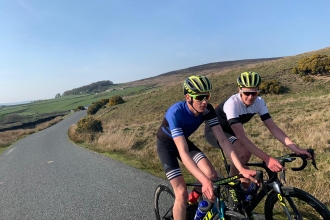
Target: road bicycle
282 202
164 200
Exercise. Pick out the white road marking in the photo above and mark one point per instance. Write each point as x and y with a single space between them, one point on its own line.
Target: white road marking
11 150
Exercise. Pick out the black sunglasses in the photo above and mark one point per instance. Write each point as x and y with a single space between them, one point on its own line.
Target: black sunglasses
250 93
201 97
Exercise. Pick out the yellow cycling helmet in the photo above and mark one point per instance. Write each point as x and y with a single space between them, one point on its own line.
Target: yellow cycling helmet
249 79
196 84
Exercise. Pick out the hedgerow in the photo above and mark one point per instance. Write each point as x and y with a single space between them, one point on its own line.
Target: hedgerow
270 87
89 124
115 100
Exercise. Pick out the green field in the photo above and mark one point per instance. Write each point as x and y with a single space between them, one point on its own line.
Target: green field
32 110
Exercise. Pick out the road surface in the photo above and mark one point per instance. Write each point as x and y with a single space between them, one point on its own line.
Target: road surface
45 176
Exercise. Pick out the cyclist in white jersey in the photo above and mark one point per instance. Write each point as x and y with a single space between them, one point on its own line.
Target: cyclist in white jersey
239 109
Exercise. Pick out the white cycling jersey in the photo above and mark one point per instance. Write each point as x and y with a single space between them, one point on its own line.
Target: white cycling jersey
235 111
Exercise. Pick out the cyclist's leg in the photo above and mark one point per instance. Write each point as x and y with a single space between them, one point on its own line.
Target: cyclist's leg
168 155
241 151
201 160
210 138
203 164
181 197
243 155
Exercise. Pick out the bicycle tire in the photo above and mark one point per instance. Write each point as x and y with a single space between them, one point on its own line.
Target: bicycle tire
230 215
308 206
163 202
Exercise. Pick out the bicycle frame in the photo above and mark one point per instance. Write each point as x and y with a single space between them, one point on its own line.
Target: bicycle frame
233 182
219 207
273 183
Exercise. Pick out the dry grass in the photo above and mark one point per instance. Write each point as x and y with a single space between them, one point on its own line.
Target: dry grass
306 126
7 138
130 129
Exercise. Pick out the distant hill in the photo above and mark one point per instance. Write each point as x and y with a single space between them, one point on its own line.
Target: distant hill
169 77
205 69
96 87
15 103
218 65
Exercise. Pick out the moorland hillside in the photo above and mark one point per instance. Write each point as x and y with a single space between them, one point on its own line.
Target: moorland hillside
301 110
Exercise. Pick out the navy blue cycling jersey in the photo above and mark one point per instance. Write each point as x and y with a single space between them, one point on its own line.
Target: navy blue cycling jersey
180 121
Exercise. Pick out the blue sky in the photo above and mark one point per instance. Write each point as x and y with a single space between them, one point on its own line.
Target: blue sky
48 47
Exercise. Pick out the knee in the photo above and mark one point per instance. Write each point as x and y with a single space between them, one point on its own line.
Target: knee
211 174
181 195
242 152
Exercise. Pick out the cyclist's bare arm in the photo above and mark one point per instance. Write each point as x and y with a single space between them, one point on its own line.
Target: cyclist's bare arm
182 146
227 148
272 163
280 135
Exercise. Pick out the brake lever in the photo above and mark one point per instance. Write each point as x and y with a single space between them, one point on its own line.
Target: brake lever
314 164
304 159
282 176
311 151
282 162
260 177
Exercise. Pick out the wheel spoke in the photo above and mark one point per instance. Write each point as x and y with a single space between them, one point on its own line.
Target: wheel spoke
164 200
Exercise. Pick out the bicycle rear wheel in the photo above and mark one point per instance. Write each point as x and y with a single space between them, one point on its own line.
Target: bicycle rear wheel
301 206
163 202
230 215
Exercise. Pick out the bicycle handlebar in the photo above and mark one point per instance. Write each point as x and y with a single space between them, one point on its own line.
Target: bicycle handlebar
286 159
303 157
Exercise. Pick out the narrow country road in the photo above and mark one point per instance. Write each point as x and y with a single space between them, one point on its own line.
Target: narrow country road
44 176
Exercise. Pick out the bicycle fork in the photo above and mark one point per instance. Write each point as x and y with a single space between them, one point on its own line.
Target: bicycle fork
280 196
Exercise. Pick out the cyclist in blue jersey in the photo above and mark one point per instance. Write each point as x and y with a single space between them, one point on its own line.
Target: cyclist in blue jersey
239 109
180 121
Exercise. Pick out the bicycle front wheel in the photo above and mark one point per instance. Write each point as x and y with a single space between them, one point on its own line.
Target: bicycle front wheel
163 202
300 204
230 215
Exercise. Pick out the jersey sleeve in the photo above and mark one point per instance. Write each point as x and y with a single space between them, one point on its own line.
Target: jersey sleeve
173 117
232 113
210 116
263 112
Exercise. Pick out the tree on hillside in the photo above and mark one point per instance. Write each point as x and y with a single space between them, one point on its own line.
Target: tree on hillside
95 106
13 117
314 65
270 87
115 100
91 88
58 95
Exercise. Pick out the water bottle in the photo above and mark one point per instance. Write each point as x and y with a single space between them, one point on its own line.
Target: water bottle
250 190
200 212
